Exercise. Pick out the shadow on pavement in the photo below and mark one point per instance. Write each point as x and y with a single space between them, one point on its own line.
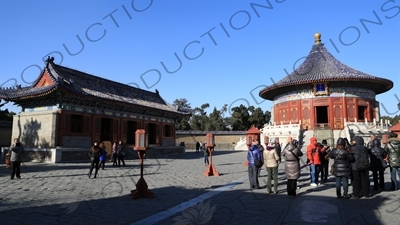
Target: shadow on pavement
240 206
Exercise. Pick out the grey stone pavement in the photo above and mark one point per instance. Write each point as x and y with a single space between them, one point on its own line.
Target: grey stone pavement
63 194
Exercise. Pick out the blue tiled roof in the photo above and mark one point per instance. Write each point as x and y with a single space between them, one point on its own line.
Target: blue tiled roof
320 67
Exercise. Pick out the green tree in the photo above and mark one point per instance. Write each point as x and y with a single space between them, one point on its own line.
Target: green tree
199 119
228 122
5 114
240 118
393 120
216 121
267 116
257 117
182 123
223 110
243 118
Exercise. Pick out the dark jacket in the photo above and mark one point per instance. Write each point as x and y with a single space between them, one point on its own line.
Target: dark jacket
95 152
278 150
342 163
120 150
356 150
254 151
292 166
377 155
392 148
324 157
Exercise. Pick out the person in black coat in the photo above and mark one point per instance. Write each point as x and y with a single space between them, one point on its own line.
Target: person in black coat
377 156
197 146
324 168
94 154
206 154
360 177
121 153
278 150
292 155
342 167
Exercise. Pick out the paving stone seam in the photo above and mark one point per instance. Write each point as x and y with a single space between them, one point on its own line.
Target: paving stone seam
176 209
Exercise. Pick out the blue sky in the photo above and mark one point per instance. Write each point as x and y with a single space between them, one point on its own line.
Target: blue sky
228 50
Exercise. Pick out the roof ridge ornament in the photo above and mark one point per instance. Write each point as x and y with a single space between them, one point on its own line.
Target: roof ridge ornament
50 59
317 37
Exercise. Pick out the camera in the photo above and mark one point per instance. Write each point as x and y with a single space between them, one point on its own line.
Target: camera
328 150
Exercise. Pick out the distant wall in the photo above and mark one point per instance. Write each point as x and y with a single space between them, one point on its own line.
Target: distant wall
223 139
36 129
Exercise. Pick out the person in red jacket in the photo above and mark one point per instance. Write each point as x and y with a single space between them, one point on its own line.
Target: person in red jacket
314 160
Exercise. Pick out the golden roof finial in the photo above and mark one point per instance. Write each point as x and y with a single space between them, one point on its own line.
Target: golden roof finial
317 37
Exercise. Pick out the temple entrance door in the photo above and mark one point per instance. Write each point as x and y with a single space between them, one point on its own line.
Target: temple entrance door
321 114
106 129
132 127
152 127
362 112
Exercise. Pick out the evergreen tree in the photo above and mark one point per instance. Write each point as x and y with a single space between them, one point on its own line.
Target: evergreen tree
257 117
240 118
392 120
5 115
243 118
199 119
395 119
182 123
216 121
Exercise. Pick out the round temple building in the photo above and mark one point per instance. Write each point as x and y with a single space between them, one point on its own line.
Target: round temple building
326 99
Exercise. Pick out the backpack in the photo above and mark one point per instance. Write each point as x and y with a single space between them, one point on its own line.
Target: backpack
363 162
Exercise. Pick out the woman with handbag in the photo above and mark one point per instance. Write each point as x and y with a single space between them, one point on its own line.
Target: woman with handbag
341 167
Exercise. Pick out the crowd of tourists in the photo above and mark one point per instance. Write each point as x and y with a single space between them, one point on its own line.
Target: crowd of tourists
352 163
98 156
